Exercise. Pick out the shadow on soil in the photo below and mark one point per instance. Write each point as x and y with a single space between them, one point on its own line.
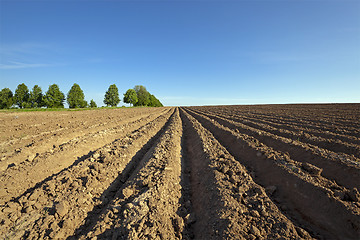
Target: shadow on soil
197 199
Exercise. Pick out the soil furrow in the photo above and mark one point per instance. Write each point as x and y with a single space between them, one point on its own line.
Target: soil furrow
26 149
297 118
283 125
316 117
186 209
203 199
330 144
41 123
209 172
14 180
44 124
316 124
305 129
297 192
334 167
59 206
223 194
145 206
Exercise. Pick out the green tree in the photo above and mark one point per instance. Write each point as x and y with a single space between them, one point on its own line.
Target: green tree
154 102
36 97
93 104
130 97
143 96
76 97
21 95
112 96
54 98
6 98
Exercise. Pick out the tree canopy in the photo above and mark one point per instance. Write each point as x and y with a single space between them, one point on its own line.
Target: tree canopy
143 95
21 96
76 97
112 96
36 97
6 98
54 98
145 98
93 104
130 97
154 102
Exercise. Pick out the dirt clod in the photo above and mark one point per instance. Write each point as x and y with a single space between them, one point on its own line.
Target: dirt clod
61 209
354 195
254 230
270 190
313 170
190 218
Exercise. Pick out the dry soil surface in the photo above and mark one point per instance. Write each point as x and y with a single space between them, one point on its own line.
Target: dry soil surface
216 172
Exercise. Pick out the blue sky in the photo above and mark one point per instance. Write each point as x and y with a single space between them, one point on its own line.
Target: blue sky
186 52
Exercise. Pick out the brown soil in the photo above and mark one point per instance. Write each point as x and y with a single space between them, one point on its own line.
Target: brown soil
217 172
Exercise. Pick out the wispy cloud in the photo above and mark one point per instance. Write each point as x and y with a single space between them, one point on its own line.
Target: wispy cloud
19 65
21 49
24 55
35 55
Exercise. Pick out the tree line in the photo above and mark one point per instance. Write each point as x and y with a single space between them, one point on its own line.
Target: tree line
54 98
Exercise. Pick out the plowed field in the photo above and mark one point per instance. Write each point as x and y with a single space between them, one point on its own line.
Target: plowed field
217 172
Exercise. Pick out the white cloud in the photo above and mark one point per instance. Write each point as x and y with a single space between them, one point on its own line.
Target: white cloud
34 55
21 49
18 65
23 55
